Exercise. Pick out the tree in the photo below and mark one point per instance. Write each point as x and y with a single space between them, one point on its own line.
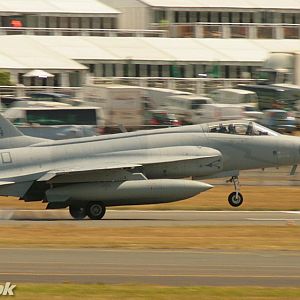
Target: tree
4 78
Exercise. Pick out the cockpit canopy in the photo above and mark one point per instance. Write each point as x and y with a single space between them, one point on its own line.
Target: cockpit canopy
240 128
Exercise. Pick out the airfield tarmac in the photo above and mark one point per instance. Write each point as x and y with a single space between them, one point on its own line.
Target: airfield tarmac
138 218
177 268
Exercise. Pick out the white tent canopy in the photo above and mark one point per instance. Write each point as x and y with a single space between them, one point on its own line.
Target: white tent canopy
38 73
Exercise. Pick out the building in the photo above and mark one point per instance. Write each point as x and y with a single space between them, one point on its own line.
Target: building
71 57
244 18
91 14
21 54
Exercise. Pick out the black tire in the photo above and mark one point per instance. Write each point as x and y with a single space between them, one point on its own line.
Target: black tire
77 212
235 201
96 210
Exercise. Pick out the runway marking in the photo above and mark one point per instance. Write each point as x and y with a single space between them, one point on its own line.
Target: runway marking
161 267
150 275
269 253
158 211
265 219
292 212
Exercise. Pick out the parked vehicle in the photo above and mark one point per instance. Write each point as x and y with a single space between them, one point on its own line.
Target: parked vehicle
188 108
273 97
122 105
57 122
251 112
297 113
157 97
233 96
54 97
281 67
29 103
196 109
8 101
279 120
160 118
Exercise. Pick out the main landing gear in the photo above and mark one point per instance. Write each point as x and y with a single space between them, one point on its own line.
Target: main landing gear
94 210
235 199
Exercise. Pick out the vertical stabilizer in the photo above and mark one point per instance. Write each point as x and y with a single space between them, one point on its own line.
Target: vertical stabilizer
12 137
7 129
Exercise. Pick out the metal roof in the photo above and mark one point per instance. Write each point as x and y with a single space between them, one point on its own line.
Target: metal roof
233 4
92 7
22 52
141 49
62 52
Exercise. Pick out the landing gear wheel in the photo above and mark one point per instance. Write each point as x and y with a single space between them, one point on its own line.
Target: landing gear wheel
77 212
96 210
235 199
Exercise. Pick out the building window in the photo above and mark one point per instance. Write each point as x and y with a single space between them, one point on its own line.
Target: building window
137 70
125 70
187 17
112 23
227 72
159 15
176 16
91 68
209 16
219 17
241 17
149 71
16 23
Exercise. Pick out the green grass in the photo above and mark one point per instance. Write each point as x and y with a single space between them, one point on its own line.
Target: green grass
137 292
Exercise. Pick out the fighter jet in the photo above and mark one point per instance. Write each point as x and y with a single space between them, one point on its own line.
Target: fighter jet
143 167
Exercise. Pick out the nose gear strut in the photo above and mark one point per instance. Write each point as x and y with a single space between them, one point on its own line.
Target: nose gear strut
235 199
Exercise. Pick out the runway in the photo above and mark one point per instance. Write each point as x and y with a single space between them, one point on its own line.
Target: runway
178 268
137 218
163 267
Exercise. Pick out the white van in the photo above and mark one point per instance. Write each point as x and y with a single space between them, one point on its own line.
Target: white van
188 108
60 122
248 101
157 97
196 109
234 96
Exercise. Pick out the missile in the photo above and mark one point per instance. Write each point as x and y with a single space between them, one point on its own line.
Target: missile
127 192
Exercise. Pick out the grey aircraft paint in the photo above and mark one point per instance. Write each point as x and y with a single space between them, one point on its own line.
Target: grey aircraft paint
142 167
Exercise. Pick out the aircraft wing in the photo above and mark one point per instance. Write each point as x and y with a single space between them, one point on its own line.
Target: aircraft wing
87 169
125 165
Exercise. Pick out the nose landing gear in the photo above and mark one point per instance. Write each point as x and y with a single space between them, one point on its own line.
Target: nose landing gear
235 199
